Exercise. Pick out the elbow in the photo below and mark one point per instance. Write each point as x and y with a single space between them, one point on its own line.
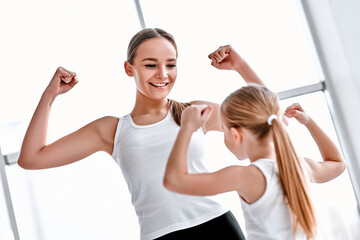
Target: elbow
23 163
170 182
26 163
342 166
167 182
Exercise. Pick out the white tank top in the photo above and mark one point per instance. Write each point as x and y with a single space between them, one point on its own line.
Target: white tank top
269 217
142 152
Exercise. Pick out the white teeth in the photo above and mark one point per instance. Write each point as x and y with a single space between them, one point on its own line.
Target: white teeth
159 84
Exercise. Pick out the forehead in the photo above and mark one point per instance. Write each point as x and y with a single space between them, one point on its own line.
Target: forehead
156 48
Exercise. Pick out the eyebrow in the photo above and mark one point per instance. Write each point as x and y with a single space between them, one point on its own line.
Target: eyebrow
155 60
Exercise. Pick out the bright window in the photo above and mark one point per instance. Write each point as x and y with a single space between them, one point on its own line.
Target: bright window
89 199
272 38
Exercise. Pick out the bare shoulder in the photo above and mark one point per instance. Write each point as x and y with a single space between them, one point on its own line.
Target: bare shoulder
106 129
253 184
110 121
107 125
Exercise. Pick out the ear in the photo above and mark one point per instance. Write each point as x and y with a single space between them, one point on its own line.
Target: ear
128 69
237 134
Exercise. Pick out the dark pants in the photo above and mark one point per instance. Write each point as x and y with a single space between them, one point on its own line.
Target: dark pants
224 227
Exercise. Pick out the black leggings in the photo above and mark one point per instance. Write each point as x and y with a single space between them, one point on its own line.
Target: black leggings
224 227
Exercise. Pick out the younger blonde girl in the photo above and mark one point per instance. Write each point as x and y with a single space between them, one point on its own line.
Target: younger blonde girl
273 189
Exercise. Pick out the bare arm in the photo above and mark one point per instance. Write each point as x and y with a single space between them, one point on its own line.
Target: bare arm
333 164
96 136
225 57
233 178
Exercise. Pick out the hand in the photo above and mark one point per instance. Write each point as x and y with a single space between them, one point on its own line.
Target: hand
225 57
62 81
195 116
296 111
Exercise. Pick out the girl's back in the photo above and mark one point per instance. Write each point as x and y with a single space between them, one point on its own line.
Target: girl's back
269 217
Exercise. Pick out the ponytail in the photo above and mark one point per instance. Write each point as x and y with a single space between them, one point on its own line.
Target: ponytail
293 181
253 107
176 109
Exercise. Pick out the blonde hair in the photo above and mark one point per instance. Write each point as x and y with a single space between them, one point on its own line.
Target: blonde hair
250 107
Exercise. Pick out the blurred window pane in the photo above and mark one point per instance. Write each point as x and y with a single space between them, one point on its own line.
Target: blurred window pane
334 201
89 199
338 192
5 229
268 34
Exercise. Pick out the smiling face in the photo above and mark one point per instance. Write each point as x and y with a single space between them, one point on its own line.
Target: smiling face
154 68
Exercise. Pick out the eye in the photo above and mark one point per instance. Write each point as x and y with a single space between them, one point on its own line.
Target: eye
171 65
150 65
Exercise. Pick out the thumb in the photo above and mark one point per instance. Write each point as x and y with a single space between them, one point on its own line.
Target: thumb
300 116
214 63
65 75
297 113
290 113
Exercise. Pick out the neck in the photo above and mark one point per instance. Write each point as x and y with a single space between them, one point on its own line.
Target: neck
258 150
144 105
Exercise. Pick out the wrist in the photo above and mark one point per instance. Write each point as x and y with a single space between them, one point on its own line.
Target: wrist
309 123
48 96
186 130
240 65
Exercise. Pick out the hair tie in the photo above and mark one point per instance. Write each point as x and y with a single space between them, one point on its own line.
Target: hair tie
271 117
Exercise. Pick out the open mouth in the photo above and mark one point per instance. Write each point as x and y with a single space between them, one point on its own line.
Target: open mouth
158 84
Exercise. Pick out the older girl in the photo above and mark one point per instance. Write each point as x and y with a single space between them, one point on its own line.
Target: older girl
273 189
141 141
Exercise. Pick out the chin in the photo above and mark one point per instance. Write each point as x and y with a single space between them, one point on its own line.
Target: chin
160 98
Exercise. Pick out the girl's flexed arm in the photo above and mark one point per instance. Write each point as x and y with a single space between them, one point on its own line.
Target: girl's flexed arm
233 178
192 118
35 154
225 57
333 164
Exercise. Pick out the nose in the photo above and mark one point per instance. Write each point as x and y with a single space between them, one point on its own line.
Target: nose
162 72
